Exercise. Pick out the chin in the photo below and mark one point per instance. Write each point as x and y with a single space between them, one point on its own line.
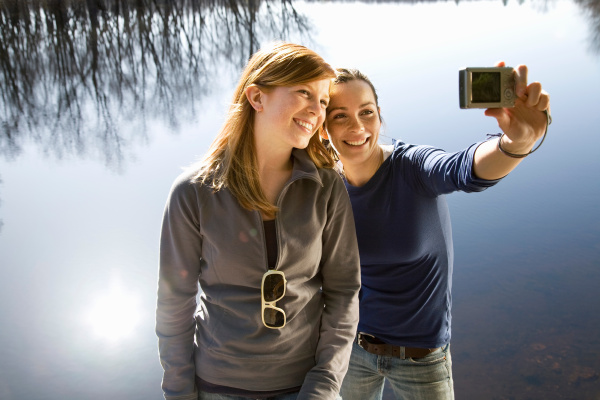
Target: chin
354 158
302 143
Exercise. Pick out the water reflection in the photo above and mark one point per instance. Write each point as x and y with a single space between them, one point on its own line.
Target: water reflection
113 314
591 9
85 77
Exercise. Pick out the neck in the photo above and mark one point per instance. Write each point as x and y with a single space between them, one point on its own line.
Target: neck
271 154
271 160
357 174
274 169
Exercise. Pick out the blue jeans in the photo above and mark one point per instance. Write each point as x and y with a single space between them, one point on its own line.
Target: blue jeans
217 396
427 378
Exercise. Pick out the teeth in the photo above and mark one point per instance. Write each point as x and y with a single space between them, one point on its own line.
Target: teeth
305 124
357 143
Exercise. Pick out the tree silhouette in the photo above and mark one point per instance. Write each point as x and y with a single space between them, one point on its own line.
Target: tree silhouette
75 74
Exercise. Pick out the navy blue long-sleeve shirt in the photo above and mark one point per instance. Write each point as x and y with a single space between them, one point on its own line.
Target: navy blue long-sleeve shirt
405 243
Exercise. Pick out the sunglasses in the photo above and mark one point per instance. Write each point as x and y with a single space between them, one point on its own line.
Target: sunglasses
272 290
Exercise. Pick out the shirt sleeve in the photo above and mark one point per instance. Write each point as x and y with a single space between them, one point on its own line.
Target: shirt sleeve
179 268
340 269
437 172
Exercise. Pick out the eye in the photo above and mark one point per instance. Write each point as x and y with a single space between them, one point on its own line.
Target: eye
339 116
304 92
367 112
324 103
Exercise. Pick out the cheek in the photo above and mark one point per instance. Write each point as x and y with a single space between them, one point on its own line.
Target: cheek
374 126
334 125
322 118
335 139
331 131
340 129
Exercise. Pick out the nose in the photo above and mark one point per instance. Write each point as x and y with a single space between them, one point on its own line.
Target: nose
315 107
355 125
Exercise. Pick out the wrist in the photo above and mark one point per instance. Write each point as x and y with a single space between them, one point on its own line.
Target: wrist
507 145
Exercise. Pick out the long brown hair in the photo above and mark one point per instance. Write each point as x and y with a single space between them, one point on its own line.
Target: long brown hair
231 159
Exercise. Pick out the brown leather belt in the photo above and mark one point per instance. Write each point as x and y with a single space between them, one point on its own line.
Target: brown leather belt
375 346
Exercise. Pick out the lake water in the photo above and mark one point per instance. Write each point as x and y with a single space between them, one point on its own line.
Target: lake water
101 107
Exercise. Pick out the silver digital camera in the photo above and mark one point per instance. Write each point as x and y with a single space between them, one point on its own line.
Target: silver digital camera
492 87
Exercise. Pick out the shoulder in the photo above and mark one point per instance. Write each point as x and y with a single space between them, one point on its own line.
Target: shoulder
187 186
305 168
402 149
185 180
406 155
329 175
332 181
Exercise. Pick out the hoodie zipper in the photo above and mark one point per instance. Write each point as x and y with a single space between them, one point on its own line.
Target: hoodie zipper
277 227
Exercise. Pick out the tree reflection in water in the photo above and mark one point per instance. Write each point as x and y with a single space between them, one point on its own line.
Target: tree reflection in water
74 74
85 77
591 8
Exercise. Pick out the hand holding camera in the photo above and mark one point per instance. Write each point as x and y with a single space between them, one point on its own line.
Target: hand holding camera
521 109
492 87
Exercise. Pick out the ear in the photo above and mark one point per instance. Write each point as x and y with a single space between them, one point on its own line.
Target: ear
254 96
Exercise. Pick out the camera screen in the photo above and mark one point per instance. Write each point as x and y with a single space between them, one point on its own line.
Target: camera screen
485 87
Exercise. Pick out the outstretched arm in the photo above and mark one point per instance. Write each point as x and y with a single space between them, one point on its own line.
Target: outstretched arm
523 125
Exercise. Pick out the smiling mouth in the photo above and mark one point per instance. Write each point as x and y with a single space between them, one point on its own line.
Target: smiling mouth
357 142
305 125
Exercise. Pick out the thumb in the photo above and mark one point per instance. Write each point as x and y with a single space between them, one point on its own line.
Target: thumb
500 115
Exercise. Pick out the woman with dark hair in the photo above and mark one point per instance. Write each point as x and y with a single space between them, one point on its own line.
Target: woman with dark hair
404 233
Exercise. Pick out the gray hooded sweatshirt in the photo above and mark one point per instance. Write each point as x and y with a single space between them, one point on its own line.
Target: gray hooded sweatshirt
209 239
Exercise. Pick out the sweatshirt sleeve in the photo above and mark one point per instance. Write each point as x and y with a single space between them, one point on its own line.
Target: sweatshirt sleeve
179 268
340 269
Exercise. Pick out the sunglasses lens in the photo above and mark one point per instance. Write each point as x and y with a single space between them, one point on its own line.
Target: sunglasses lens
273 318
274 288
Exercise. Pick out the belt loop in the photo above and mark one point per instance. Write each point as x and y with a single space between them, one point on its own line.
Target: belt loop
402 353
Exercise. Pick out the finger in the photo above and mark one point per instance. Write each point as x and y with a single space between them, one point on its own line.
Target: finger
493 112
544 103
499 114
500 64
521 80
534 92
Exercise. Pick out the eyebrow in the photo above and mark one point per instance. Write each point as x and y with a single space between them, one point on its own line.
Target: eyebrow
345 108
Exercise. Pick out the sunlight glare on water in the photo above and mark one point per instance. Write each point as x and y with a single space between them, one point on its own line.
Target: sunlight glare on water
114 314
